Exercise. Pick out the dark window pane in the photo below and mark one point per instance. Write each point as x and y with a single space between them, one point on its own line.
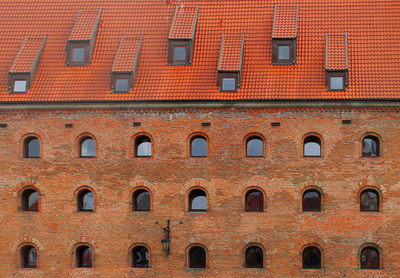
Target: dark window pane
254 201
28 257
284 53
311 257
370 146
255 147
20 86
369 201
143 146
254 257
369 258
121 85
312 146
336 83
197 257
30 200
84 256
197 200
78 54
141 257
228 84
179 53
85 201
141 200
31 147
87 148
198 147
311 201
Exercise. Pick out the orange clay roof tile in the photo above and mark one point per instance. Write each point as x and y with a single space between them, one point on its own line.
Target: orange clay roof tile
336 52
285 21
184 23
27 54
373 49
84 25
126 55
231 52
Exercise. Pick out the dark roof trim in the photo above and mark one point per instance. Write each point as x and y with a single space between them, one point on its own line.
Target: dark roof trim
241 53
20 48
195 22
173 21
220 51
39 54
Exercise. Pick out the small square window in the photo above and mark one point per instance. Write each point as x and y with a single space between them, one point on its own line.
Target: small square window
336 83
121 85
179 53
228 84
78 54
284 52
20 86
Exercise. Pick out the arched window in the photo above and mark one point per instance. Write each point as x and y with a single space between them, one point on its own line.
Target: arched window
369 200
197 257
311 200
197 200
254 200
29 200
141 200
311 257
198 146
369 258
31 147
87 147
142 146
312 146
28 256
83 256
254 257
85 200
254 147
370 147
140 257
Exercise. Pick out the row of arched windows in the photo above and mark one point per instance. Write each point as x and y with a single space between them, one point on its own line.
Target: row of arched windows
197 257
198 146
254 200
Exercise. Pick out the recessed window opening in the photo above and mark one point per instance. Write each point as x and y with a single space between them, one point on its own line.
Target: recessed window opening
369 200
31 147
197 257
141 200
28 256
312 146
228 84
122 85
84 256
254 200
78 54
370 258
87 147
140 257
255 147
142 146
180 53
198 146
336 83
254 257
370 146
19 86
283 52
30 200
311 200
197 200
85 200
311 257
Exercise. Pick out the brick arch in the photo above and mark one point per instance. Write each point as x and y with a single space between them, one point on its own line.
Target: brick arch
131 151
26 136
311 183
26 184
255 134
370 244
312 240
252 240
321 138
360 243
198 183
27 241
137 184
256 182
265 197
78 142
196 244
209 244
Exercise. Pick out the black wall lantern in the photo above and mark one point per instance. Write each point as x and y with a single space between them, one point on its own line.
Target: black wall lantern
167 239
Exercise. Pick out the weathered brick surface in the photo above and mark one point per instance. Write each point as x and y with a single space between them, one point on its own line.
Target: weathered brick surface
282 229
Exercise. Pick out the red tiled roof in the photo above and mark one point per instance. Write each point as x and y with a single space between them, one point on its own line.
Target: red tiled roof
84 25
336 52
126 55
373 49
27 54
184 22
230 57
285 24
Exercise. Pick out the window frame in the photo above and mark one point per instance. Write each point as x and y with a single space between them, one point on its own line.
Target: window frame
380 253
190 199
245 256
379 145
79 199
175 61
83 138
251 137
19 92
24 256
247 192
26 141
308 189
305 137
132 254
228 77
25 202
343 82
135 145
77 255
291 43
188 255
73 61
134 194
194 136
115 85
380 199
320 253
336 73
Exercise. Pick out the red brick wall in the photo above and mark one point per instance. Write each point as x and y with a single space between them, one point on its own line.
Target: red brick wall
226 229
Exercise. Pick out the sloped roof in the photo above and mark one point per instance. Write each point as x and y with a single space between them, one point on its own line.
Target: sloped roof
231 52
84 25
184 23
336 52
126 54
27 54
373 49
285 22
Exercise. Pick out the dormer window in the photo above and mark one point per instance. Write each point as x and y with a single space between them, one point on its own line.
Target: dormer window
81 41
284 35
181 35
122 85
228 84
336 62
19 86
